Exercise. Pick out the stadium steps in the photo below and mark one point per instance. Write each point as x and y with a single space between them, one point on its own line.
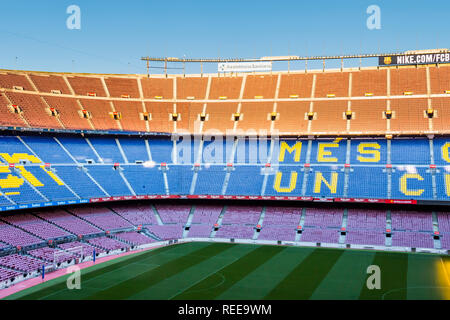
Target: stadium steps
229 169
8 198
306 170
121 151
65 150
194 181
85 170
28 147
147 147
113 236
166 181
344 225
56 225
347 170
155 211
219 221
198 160
5 244
99 159
52 223
67 186
433 171
113 211
437 243
269 160
126 182
301 223
174 151
94 245
388 226
260 222
150 235
189 221
389 170
85 220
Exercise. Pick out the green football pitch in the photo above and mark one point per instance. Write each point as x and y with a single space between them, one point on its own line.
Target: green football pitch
245 271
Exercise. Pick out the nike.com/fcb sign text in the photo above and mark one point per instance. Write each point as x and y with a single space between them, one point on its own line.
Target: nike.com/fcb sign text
428 58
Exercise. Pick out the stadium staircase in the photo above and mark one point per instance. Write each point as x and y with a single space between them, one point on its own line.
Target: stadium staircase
84 219
219 221
121 216
260 223
437 242
122 153
301 223
158 217
86 171
343 226
126 181
189 221
388 227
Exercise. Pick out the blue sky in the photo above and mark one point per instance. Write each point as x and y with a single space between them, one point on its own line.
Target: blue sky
115 34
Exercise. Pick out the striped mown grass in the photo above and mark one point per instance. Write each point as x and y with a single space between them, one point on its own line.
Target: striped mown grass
246 271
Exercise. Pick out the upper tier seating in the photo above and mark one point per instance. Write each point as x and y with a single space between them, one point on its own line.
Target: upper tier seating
408 80
9 118
68 110
11 80
440 79
84 86
122 87
293 85
85 111
34 110
373 82
260 86
157 87
191 88
49 83
101 114
225 87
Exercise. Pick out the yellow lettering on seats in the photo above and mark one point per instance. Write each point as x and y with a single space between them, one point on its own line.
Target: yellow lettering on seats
53 176
292 182
404 184
285 147
10 181
375 153
16 157
319 179
446 152
30 177
322 153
